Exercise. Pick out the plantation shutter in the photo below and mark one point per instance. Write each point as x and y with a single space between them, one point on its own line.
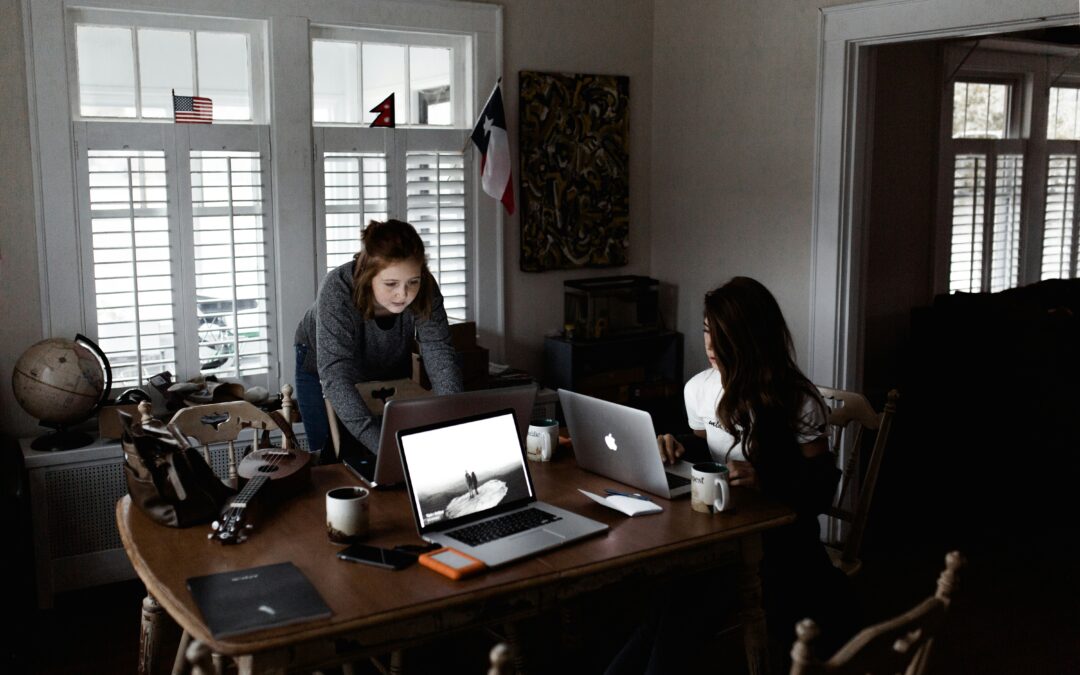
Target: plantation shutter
230 254
435 194
132 256
1059 258
354 193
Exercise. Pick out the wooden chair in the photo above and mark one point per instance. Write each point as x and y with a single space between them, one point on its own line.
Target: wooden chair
214 423
335 430
224 422
501 658
899 645
850 415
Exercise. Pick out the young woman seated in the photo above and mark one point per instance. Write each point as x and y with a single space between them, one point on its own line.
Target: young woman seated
754 410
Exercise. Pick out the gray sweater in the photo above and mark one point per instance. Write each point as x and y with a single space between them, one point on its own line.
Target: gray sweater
344 349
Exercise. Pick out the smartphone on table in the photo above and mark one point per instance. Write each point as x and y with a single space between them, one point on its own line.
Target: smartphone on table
386 558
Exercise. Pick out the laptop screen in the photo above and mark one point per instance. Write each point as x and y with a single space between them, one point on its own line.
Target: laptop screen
464 468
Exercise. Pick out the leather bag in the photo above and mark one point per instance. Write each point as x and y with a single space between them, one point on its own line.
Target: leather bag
169 480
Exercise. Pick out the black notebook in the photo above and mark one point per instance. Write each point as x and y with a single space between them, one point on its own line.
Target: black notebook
259 597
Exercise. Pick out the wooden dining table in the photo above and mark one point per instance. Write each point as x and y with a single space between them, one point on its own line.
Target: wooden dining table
378 611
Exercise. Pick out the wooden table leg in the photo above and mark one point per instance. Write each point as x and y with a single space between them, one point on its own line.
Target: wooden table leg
397 662
200 658
153 616
517 649
180 664
751 612
264 663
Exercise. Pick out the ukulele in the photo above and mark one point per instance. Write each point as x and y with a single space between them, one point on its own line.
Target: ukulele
285 470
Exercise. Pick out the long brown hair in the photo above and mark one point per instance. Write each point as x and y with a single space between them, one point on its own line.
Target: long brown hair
763 387
382 245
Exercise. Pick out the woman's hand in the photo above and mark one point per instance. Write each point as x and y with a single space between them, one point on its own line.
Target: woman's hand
742 474
670 449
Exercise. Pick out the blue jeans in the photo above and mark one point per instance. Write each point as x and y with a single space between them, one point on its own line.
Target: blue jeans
309 396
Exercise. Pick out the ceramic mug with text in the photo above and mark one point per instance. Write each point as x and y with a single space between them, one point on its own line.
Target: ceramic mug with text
709 488
542 440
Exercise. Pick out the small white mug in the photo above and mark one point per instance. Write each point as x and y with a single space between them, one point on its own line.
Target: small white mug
542 440
709 489
347 514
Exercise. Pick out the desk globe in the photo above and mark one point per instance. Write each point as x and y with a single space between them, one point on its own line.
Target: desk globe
62 382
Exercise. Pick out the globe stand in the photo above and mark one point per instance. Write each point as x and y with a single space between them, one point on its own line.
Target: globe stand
61 439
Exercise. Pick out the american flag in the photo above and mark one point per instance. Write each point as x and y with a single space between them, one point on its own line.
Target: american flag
192 110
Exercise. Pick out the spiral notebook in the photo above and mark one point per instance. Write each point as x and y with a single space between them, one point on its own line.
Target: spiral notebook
252 599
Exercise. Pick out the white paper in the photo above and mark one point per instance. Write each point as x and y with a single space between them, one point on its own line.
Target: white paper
631 506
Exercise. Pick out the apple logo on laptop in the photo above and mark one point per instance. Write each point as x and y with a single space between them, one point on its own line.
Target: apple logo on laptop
610 441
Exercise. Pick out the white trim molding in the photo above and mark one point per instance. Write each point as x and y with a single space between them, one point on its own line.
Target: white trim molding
841 135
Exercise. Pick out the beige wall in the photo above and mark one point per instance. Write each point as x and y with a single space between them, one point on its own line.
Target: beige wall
20 297
735 85
609 37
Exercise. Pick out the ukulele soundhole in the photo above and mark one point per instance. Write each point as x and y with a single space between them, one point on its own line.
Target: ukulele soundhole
268 468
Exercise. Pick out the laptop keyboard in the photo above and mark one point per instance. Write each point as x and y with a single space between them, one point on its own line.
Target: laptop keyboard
674 481
503 526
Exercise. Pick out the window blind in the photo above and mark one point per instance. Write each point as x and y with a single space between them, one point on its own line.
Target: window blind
968 208
1059 233
230 262
354 194
1005 247
435 199
133 267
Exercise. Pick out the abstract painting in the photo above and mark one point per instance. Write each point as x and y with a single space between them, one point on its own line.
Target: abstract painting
575 182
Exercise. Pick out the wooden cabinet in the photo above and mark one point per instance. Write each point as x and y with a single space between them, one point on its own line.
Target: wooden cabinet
642 371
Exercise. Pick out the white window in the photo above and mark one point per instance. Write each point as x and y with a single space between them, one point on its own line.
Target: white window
353 70
129 65
1011 147
189 247
173 216
178 238
987 181
418 171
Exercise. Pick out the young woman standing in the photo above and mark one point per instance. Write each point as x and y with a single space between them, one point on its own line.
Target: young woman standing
360 329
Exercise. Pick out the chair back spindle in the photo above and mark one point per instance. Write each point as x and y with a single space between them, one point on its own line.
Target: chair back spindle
850 415
898 645
215 423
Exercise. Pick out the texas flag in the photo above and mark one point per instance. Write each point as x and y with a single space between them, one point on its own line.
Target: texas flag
491 140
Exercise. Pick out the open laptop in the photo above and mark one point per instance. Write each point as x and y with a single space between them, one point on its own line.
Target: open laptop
384 469
470 489
619 442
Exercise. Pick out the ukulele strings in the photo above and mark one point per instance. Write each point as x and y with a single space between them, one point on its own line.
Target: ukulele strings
253 485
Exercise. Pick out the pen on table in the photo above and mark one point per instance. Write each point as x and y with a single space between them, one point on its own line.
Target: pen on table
626 494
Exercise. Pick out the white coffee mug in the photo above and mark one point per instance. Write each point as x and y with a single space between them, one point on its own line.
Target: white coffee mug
709 489
347 514
542 440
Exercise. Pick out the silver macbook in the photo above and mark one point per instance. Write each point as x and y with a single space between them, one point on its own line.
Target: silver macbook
384 469
619 442
470 489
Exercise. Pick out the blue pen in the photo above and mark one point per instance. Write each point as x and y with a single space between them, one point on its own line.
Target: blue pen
626 494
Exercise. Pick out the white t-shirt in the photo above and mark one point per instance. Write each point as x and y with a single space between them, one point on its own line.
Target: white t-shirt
702 395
